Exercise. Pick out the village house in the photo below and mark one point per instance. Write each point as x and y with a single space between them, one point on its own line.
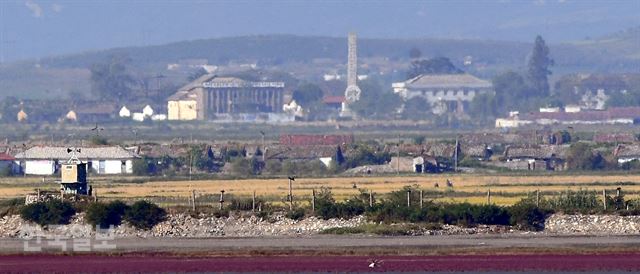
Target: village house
614 138
420 164
536 157
313 140
323 153
477 152
46 160
626 153
7 164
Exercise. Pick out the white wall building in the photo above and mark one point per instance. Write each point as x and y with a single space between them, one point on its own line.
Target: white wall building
444 92
43 160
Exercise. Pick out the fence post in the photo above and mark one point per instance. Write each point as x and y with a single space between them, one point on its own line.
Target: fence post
38 195
604 199
408 198
193 199
537 198
253 202
489 196
313 200
221 199
370 198
95 195
290 193
421 199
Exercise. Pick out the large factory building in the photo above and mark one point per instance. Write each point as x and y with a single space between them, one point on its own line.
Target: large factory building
214 97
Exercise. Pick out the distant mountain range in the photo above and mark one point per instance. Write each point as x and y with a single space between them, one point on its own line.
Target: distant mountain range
59 75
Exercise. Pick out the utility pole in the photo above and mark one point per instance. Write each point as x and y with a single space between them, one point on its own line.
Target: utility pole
253 202
604 199
398 157
313 200
264 150
291 179
456 155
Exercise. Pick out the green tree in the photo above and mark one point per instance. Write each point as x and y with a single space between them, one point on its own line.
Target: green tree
512 93
144 215
112 80
105 215
581 157
376 102
9 108
483 108
438 65
307 94
417 108
538 67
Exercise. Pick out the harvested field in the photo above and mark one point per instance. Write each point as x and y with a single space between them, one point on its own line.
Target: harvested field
505 189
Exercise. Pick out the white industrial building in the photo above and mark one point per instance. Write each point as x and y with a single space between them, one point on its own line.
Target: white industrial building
46 160
443 92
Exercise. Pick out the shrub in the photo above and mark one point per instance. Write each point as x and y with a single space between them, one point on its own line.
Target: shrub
105 215
11 206
296 214
528 216
490 215
48 213
144 215
327 207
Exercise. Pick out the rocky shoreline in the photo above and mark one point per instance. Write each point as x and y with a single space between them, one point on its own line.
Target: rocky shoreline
186 226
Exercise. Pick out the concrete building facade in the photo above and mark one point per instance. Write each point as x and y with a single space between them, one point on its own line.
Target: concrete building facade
443 92
211 97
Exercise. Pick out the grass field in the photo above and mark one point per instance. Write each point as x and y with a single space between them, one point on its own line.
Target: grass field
505 189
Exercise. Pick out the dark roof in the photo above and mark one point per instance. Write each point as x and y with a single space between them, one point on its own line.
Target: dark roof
432 149
310 140
447 81
333 99
6 157
299 152
60 153
536 151
614 138
631 150
474 150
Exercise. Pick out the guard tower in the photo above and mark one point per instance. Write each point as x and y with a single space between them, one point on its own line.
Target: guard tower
352 93
74 175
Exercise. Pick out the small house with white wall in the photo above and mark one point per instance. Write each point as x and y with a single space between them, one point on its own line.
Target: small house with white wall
46 160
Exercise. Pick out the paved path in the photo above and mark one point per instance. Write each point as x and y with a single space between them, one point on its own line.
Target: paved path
343 242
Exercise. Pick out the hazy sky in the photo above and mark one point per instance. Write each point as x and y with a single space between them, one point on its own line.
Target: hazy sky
37 28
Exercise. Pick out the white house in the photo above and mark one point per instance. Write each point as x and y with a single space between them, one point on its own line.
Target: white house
147 111
45 160
124 112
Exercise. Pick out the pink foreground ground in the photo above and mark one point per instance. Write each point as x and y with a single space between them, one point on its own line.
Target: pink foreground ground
167 263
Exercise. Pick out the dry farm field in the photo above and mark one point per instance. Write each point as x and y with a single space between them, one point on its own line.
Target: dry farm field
505 189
